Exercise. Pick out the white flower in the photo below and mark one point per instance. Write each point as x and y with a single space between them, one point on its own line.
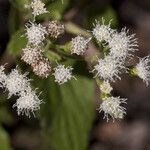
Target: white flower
31 54
122 44
112 107
2 77
105 87
55 29
27 103
108 68
102 32
35 33
42 68
143 69
79 45
62 74
38 7
16 83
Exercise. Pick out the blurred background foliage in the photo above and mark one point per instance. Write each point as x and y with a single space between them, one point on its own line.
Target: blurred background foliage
67 119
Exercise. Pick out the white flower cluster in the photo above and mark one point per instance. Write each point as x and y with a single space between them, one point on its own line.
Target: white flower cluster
42 68
38 8
102 32
116 46
31 55
55 29
79 45
35 33
111 106
62 74
18 84
121 45
142 69
108 68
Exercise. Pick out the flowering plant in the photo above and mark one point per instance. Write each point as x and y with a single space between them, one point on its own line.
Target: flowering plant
66 70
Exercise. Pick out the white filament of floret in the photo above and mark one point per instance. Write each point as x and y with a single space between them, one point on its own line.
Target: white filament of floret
27 103
38 7
108 68
35 33
111 106
101 31
105 87
79 45
62 74
2 77
31 54
122 44
16 82
143 69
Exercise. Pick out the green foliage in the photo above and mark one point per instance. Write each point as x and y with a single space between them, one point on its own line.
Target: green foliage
17 42
68 113
20 4
107 13
4 140
57 8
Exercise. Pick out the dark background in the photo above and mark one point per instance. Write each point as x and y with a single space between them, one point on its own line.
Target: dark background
133 133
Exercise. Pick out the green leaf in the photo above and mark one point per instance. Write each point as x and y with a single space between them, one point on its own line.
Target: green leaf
20 4
108 13
17 42
52 56
4 140
57 8
68 113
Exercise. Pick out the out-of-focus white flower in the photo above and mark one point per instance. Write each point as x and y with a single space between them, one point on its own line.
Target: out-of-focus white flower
142 69
111 106
122 44
2 77
38 7
108 68
27 103
55 29
31 54
105 87
101 31
16 82
42 68
35 33
79 45
62 74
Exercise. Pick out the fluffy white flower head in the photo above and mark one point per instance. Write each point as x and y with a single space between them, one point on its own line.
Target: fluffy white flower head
143 69
42 68
111 106
2 77
79 45
16 83
55 29
108 68
105 87
62 74
102 32
38 7
31 55
122 44
27 103
35 33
